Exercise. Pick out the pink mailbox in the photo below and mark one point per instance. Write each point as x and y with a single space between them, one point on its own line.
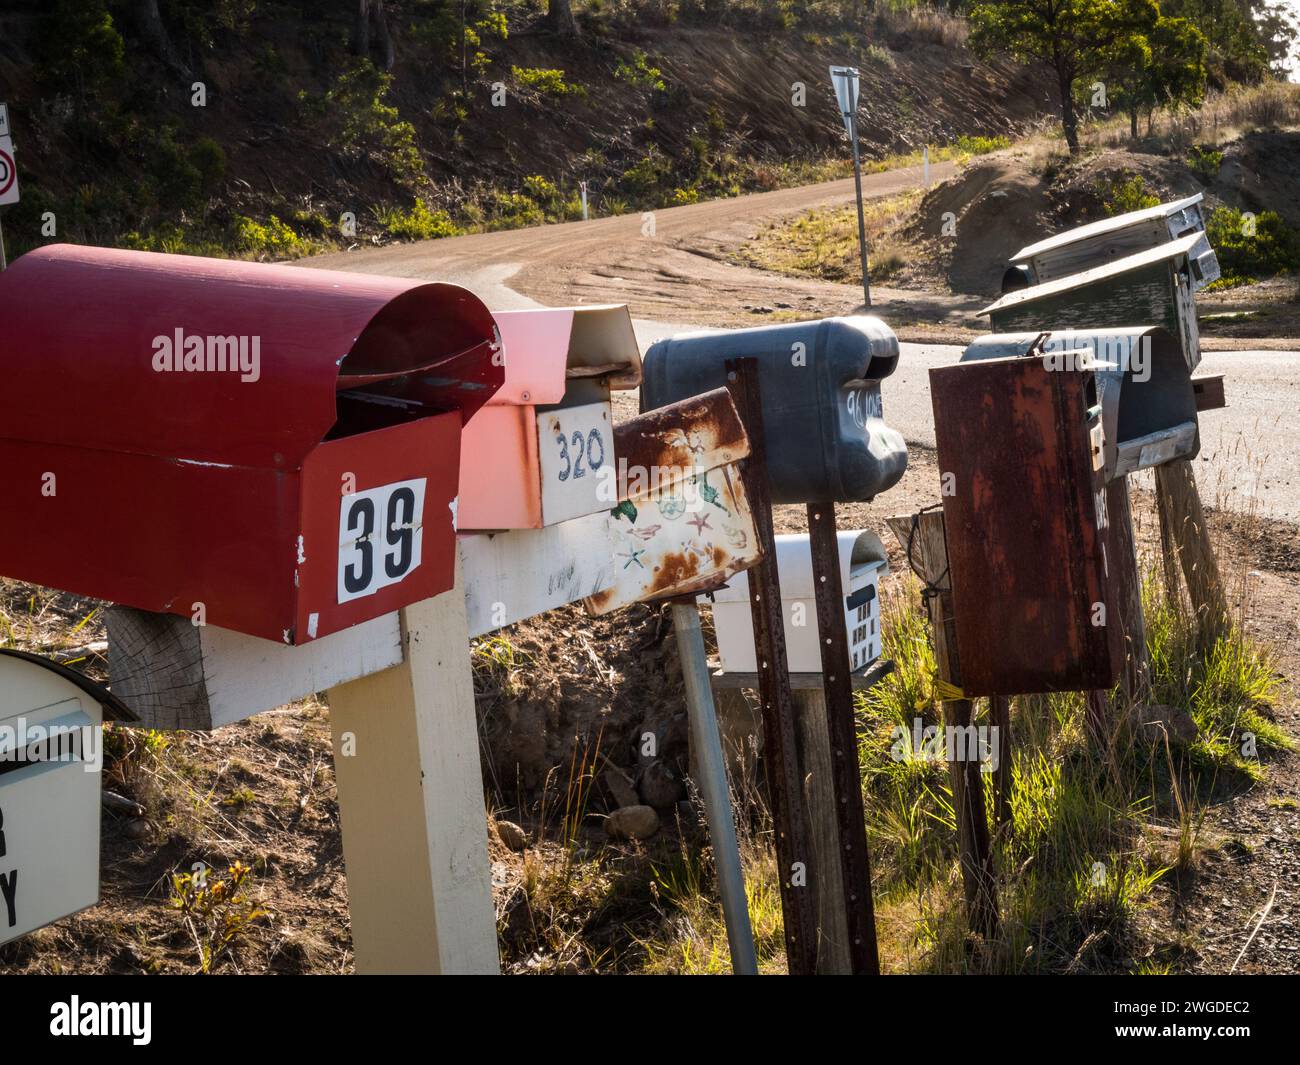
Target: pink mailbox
533 456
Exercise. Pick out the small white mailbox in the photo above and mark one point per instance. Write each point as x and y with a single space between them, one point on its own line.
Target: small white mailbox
862 564
50 763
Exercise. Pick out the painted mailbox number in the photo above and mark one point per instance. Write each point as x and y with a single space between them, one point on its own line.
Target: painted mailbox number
380 533
591 444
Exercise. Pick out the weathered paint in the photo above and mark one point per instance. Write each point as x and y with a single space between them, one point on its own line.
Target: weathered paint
692 528
521 467
176 487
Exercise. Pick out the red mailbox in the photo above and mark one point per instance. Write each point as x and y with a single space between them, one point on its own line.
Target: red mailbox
279 445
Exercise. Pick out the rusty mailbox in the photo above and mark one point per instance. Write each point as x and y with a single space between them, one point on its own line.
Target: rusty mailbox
822 412
1148 406
1021 458
272 449
532 457
683 523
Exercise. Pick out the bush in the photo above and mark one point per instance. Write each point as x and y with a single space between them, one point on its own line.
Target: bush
640 73
1251 246
419 223
1128 193
1206 162
546 82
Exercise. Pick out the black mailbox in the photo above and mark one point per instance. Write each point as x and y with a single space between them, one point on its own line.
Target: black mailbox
822 415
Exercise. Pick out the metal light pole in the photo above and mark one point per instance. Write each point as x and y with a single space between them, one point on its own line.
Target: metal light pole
845 82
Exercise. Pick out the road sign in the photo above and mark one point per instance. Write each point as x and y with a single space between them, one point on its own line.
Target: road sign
8 172
4 120
845 80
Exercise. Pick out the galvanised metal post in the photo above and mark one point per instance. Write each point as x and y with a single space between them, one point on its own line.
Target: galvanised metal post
713 786
862 223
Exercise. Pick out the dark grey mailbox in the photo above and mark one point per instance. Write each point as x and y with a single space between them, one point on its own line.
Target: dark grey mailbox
1155 287
1148 409
822 413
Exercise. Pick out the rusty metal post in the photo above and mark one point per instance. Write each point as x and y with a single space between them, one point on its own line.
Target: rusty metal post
833 638
781 758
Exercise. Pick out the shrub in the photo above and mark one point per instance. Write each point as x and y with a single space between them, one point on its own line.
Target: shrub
1128 193
546 82
1205 161
419 223
1251 246
640 73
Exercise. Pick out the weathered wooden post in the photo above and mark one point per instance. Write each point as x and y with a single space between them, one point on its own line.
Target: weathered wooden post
922 537
411 804
1184 518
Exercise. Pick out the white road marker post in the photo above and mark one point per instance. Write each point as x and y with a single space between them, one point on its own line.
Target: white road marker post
582 185
411 804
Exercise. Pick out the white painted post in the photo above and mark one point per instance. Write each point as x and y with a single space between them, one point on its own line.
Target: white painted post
583 186
411 804
927 166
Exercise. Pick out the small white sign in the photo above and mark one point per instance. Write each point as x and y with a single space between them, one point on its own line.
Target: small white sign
574 445
4 120
8 172
380 535
845 81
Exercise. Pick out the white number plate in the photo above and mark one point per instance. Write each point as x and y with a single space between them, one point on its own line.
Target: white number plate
380 534
576 455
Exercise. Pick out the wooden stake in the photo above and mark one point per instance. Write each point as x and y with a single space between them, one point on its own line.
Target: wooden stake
1180 500
411 804
928 557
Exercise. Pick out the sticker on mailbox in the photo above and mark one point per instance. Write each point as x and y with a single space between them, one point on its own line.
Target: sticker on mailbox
380 532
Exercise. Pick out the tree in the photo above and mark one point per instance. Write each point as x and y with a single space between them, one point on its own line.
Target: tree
1073 38
1165 66
559 17
369 11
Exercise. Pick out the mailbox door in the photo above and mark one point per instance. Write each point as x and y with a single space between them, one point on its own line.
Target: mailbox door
1025 527
377 528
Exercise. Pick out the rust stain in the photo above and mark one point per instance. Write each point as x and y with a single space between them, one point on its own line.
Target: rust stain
675 570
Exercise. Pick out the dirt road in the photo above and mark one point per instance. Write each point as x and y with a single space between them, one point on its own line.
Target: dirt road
671 267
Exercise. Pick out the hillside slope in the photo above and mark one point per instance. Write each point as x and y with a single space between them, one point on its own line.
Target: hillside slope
293 126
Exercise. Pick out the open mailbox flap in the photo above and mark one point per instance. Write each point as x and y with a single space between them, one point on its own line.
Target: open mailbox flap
547 348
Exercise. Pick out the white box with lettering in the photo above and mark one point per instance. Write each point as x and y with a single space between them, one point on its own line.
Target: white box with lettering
862 564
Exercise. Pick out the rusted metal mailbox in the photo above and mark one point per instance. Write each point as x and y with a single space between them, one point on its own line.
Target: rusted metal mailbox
1148 406
269 449
826 436
1021 458
862 562
1101 242
1152 287
533 456
683 523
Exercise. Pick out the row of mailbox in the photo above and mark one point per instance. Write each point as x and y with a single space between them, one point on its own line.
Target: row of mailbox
293 451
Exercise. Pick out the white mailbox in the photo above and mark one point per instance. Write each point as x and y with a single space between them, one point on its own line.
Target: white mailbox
50 763
862 564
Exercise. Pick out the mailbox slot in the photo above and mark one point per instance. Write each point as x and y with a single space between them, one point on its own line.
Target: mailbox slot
1147 396
862 563
269 449
533 457
822 412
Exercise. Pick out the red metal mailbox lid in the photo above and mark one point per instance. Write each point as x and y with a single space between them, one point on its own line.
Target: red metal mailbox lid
95 336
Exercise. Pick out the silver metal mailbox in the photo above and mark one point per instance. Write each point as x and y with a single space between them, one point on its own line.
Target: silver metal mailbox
1148 407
